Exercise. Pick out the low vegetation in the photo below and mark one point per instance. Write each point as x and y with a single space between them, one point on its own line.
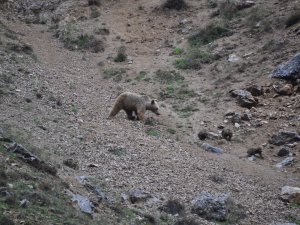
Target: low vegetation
74 41
121 56
194 59
209 33
116 73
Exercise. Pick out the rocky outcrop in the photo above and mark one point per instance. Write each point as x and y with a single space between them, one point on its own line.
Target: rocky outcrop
289 70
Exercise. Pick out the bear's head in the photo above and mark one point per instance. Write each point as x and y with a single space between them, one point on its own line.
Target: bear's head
154 107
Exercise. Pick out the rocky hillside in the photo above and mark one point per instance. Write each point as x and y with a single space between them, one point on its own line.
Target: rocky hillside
225 149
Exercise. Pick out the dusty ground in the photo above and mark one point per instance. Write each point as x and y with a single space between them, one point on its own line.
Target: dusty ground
170 166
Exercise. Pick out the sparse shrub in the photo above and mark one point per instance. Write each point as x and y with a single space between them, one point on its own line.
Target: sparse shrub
141 76
176 51
102 31
174 4
194 60
212 4
94 12
228 9
119 151
114 72
258 20
293 19
171 131
73 41
167 77
184 64
273 46
71 163
121 56
208 34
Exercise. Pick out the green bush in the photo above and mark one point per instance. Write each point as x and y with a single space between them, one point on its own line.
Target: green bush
177 51
195 59
208 34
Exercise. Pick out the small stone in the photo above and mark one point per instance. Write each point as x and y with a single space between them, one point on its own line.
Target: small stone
24 203
286 89
284 151
255 90
246 116
39 95
227 134
28 100
244 98
202 135
237 125
255 151
233 58
236 118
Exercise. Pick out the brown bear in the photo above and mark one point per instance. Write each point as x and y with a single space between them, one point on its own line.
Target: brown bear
131 102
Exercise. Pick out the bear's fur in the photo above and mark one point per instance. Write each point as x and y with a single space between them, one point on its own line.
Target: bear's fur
131 102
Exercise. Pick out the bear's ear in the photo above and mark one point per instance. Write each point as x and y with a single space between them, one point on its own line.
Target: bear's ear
152 102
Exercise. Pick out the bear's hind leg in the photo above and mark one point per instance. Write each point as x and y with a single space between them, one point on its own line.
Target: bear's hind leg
129 114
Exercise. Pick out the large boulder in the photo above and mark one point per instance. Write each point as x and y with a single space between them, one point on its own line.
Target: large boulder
289 70
212 207
284 137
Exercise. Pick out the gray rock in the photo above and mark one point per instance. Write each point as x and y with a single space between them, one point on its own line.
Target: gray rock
202 135
289 70
246 116
137 195
84 203
210 148
255 90
284 151
244 98
236 118
284 137
227 134
24 203
212 207
285 162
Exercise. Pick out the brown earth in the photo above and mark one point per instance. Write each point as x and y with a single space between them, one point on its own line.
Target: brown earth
165 159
